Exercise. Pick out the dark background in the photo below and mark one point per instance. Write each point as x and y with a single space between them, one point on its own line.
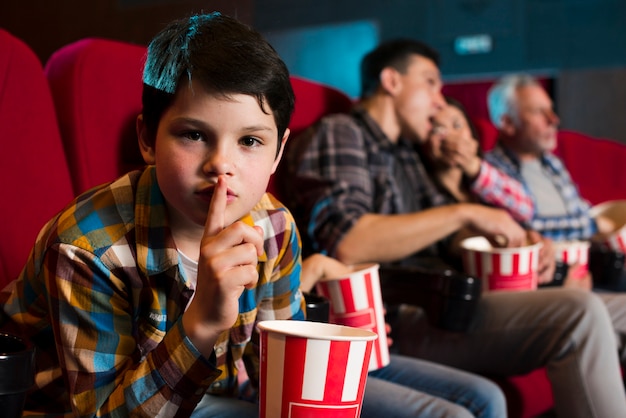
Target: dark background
580 44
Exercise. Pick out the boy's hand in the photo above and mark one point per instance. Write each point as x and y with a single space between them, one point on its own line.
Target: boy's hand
227 265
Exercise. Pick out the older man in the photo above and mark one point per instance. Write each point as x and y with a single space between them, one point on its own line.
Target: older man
523 112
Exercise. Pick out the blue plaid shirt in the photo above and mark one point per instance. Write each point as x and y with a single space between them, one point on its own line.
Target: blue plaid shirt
577 224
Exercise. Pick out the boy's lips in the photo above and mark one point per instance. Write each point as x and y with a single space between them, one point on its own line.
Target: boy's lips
207 194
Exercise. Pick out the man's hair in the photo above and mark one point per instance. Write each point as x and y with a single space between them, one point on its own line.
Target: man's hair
222 54
396 54
501 97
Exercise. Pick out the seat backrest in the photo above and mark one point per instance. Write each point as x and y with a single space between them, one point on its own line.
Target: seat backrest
35 177
96 85
595 164
313 101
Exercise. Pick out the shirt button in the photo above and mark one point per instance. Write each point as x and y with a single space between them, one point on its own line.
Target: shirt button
217 385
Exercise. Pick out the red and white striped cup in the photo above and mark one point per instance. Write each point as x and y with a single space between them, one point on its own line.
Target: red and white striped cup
573 252
501 268
356 301
312 369
615 212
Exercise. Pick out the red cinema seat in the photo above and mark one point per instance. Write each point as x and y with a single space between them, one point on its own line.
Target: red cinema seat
35 177
313 101
595 164
96 85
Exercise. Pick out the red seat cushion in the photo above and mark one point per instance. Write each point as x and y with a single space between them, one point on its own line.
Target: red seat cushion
35 177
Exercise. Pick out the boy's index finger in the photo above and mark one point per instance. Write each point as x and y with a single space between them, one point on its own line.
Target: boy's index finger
217 208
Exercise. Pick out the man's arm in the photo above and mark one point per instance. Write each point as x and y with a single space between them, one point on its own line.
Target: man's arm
385 238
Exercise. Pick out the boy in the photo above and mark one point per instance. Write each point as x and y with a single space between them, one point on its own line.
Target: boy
142 295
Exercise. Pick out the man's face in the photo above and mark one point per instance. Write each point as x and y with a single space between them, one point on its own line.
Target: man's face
419 98
536 128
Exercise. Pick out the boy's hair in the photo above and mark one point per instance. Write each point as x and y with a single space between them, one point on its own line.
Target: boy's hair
396 54
225 56
501 97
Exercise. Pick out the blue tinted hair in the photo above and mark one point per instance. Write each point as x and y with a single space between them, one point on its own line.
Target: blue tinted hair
169 56
501 97
222 54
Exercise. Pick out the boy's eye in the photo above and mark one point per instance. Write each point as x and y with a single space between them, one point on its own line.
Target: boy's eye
193 135
249 141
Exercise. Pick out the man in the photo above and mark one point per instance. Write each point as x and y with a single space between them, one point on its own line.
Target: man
361 193
523 113
527 134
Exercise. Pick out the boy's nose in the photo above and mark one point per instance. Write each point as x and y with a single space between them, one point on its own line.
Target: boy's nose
217 161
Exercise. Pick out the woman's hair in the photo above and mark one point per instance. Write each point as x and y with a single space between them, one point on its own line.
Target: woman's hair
455 103
222 54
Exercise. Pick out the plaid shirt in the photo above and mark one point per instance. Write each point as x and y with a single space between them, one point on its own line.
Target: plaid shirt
495 188
102 297
578 223
347 167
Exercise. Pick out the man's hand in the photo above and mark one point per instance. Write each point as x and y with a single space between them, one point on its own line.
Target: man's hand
578 278
227 265
497 226
547 257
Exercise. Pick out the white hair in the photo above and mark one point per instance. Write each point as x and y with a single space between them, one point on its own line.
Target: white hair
501 97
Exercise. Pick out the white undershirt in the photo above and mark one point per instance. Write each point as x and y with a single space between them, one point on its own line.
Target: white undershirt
190 267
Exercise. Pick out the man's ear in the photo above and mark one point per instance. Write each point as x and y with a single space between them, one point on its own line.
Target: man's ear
146 143
508 126
279 156
390 80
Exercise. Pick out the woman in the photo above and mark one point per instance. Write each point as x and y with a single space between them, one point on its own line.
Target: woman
455 161
453 155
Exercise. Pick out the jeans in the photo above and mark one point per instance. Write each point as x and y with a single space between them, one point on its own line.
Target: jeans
407 387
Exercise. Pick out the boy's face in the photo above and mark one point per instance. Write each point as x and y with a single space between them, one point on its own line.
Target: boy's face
202 136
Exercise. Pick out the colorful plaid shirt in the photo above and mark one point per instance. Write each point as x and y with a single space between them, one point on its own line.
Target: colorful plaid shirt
346 167
495 188
577 224
102 296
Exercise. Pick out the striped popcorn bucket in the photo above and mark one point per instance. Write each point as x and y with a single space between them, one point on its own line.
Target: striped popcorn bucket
501 268
572 252
614 211
356 301
312 369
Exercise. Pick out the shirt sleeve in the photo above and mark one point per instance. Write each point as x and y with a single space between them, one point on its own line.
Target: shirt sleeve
495 188
333 182
95 339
